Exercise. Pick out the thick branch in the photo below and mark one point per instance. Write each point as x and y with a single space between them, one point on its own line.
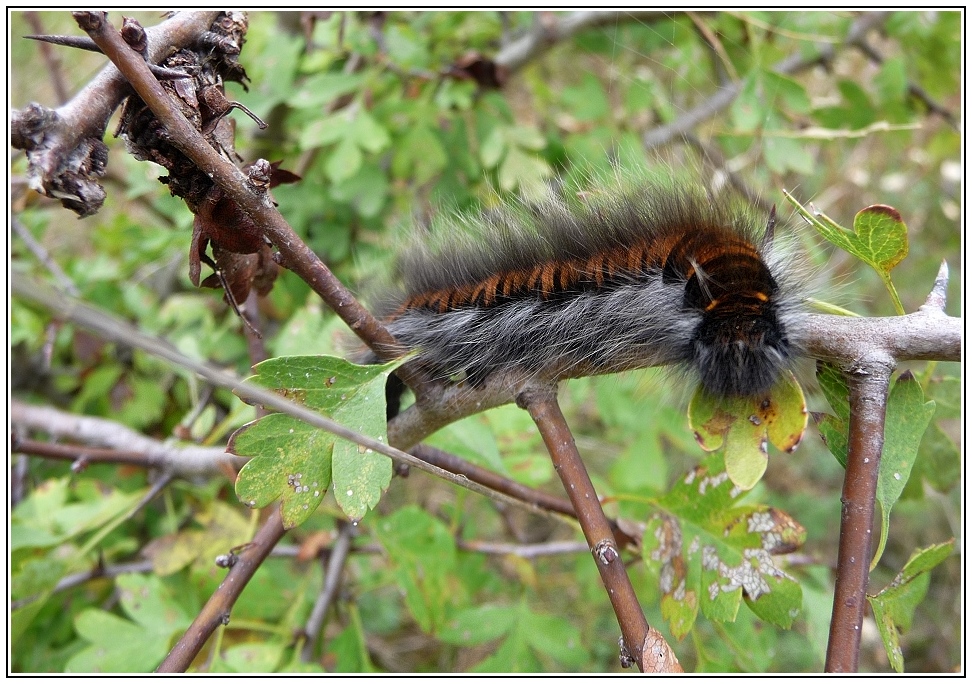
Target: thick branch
869 380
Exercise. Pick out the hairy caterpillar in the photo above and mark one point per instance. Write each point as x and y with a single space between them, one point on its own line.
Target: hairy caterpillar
666 273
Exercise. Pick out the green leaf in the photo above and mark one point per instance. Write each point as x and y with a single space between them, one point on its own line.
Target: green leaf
892 80
46 519
119 645
894 606
321 89
350 647
478 624
472 439
743 425
908 416
747 109
522 170
790 92
296 462
424 555
344 161
419 153
553 636
492 148
879 238
289 460
586 101
369 134
834 428
223 527
254 657
325 131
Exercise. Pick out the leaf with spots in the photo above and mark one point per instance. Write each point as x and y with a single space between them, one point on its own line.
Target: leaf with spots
290 460
743 425
879 238
709 553
295 462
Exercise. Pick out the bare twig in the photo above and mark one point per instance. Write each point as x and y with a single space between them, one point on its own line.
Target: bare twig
525 550
541 402
216 612
120 444
332 580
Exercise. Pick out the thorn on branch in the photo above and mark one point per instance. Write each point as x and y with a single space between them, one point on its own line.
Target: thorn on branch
85 43
79 42
937 296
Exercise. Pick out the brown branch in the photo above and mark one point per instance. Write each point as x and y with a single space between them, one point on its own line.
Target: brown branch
869 376
541 403
869 380
216 612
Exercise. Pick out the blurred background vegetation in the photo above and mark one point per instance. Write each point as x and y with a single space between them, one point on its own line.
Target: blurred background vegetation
384 118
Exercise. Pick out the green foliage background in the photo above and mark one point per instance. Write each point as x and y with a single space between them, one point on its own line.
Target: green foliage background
380 140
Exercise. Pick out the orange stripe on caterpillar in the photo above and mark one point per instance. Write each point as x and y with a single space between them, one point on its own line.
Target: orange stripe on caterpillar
665 274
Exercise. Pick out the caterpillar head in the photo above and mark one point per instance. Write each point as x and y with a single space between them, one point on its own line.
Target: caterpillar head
740 353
